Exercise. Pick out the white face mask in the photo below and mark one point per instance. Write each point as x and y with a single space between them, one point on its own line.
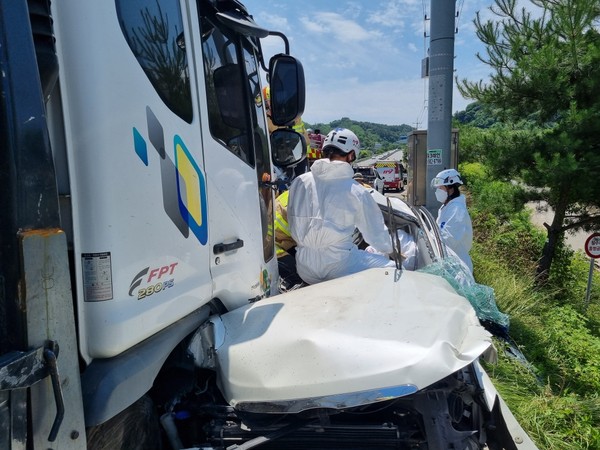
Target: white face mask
441 195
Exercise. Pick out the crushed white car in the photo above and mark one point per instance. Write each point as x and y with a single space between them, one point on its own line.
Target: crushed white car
385 358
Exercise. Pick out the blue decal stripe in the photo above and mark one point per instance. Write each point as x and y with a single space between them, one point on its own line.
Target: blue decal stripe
140 146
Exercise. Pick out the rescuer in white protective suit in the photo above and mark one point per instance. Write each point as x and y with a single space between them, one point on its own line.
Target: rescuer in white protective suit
453 218
325 207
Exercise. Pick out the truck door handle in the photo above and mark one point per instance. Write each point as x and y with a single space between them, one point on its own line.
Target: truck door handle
222 247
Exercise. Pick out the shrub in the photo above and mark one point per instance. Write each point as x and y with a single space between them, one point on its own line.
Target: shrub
573 349
473 174
500 198
514 239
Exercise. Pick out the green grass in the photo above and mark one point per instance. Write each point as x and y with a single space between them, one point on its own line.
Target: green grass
555 397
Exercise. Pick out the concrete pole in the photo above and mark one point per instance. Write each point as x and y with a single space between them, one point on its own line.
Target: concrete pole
441 79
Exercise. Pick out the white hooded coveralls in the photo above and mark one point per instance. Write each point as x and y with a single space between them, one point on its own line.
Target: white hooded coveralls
456 229
325 206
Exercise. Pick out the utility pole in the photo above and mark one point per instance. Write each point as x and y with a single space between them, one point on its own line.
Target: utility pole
441 79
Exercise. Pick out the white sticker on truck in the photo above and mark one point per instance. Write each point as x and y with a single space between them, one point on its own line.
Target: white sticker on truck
97 277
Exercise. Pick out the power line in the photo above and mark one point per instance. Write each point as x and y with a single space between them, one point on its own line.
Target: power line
459 15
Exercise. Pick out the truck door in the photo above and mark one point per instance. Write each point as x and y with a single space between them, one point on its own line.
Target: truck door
237 161
135 168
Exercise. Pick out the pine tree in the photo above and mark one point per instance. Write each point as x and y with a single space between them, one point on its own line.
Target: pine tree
546 68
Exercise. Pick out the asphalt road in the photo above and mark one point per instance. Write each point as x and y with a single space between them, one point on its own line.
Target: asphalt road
542 213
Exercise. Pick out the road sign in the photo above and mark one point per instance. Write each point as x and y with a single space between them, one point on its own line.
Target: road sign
592 245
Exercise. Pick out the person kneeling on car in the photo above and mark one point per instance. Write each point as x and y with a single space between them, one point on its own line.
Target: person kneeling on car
325 207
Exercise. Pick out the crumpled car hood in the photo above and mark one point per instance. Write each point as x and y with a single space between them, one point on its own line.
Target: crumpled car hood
349 341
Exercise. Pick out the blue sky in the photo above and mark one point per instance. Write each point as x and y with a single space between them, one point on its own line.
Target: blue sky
362 58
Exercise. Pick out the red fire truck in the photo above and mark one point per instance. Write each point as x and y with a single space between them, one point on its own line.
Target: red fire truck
392 173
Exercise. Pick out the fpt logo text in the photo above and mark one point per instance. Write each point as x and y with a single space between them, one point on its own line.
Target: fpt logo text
151 281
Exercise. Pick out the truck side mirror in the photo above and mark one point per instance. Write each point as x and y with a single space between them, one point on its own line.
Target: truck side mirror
288 147
286 77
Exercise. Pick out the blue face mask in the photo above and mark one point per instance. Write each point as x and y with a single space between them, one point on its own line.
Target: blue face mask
441 195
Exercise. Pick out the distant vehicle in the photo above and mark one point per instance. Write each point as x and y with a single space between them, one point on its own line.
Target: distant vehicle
392 173
316 140
367 172
372 177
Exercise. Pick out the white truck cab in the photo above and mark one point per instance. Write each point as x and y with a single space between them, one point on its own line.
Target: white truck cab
139 300
167 149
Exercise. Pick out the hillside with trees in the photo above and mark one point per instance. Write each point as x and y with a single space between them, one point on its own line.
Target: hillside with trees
374 137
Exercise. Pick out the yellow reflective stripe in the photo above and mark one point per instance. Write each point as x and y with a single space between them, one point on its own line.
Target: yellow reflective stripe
284 198
299 127
281 224
313 153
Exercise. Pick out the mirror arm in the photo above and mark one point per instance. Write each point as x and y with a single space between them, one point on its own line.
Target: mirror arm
285 40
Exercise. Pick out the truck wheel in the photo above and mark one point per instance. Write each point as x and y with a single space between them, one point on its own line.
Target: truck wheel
135 428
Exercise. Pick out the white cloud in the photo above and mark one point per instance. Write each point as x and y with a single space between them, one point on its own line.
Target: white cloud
277 22
353 9
334 24
310 25
392 14
272 21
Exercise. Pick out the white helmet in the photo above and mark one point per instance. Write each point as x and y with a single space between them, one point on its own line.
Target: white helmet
446 177
342 139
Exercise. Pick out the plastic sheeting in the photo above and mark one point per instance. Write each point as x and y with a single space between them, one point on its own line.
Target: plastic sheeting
481 297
